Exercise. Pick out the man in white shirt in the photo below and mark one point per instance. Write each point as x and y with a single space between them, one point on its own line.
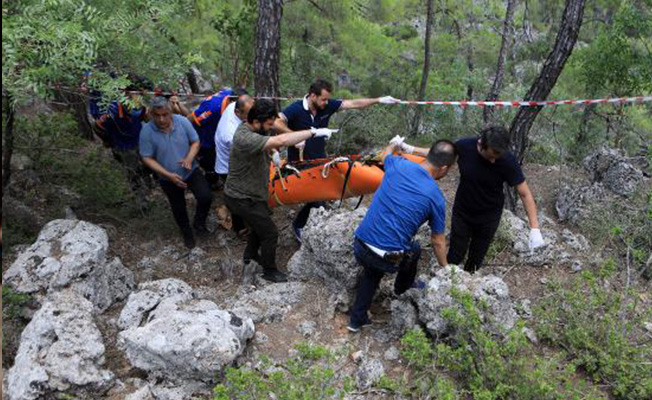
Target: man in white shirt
234 115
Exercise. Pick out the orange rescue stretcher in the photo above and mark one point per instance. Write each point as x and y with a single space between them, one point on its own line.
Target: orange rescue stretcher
326 179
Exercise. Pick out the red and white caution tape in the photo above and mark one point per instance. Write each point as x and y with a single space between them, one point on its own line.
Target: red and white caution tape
462 103
618 100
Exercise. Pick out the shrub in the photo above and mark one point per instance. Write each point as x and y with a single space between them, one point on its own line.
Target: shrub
473 363
312 374
599 329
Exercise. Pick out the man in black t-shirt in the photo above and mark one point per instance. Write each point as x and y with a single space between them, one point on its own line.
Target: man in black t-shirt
485 165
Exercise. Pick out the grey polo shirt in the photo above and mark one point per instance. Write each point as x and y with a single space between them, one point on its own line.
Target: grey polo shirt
168 149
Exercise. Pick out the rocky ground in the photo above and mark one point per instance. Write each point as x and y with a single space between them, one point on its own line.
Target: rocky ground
116 314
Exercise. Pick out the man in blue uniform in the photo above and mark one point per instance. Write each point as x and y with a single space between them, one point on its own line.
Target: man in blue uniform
119 128
384 242
315 111
205 119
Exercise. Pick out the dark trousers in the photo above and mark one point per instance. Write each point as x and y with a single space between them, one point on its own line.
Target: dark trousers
375 268
476 237
206 158
263 235
302 217
198 185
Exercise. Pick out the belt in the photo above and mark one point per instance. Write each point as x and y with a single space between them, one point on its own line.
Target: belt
393 257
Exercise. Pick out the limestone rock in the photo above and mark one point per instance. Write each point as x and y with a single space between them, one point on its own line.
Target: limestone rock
392 354
269 304
574 201
493 291
181 338
326 255
553 252
70 253
613 170
307 328
148 296
61 350
369 373
404 317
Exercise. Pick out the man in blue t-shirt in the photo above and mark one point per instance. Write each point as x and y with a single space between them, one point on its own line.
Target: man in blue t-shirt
205 119
315 111
384 242
168 146
485 164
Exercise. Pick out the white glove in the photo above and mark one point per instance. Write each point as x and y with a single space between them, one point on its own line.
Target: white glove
406 148
536 239
300 145
323 132
276 158
397 141
388 100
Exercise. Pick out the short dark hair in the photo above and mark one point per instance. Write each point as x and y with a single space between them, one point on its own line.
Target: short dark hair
318 85
241 101
495 138
159 102
443 153
262 110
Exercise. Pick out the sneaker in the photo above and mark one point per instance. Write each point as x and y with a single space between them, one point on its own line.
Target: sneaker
189 240
357 327
275 276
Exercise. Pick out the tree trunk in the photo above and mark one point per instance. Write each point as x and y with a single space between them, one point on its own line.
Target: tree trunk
192 81
505 48
545 82
8 142
426 68
268 48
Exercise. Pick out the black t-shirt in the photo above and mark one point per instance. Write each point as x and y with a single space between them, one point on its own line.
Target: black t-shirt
480 193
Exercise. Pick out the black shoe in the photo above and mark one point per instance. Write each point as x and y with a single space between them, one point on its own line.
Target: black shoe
189 240
355 327
274 275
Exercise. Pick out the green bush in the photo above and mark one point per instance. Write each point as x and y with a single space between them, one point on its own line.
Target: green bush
12 303
623 228
312 374
600 330
473 363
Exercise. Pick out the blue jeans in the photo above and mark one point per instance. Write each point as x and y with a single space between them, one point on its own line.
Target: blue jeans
375 267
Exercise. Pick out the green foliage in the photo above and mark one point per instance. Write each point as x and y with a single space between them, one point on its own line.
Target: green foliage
502 241
61 156
12 302
624 227
619 61
311 374
55 42
485 366
600 330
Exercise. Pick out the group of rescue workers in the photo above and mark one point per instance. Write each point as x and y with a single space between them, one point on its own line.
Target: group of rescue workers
230 139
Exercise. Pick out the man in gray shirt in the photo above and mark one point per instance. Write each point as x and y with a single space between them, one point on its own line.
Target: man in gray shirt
168 146
246 189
